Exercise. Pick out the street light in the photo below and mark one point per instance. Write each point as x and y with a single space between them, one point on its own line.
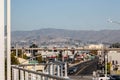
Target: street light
16 45
105 65
8 39
111 21
2 57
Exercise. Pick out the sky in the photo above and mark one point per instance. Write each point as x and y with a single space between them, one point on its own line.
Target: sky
65 14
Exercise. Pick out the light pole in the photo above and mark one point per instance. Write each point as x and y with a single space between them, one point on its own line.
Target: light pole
2 37
116 22
105 60
106 65
16 45
8 39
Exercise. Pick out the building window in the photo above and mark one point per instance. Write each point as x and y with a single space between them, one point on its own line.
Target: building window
113 62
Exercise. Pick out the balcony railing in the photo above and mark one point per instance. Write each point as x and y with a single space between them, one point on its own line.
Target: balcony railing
19 72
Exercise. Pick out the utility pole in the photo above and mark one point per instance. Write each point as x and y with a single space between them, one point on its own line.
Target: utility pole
2 45
106 65
8 40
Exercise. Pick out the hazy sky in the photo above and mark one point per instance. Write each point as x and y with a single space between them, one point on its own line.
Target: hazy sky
65 14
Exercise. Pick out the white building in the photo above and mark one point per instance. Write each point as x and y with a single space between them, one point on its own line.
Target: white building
96 46
114 59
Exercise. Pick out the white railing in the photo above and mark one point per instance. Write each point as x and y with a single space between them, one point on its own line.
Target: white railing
19 72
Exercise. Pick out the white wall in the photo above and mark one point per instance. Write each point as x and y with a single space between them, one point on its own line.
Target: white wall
96 46
114 55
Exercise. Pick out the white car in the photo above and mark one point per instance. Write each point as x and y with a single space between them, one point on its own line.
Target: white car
101 78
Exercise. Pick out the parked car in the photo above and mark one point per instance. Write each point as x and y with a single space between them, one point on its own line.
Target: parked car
101 77
114 77
72 70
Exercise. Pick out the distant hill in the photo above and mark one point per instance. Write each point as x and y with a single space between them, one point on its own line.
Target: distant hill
50 34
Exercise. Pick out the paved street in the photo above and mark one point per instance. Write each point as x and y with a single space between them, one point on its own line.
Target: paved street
85 70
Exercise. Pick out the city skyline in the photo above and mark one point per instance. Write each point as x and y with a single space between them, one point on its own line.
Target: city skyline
64 14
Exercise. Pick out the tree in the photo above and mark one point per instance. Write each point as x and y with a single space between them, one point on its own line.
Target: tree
14 60
115 45
39 58
93 52
108 68
60 55
34 46
20 54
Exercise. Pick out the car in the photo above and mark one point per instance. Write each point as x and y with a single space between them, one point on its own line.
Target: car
72 70
103 78
114 77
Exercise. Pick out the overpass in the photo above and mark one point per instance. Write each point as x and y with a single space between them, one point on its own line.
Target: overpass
66 49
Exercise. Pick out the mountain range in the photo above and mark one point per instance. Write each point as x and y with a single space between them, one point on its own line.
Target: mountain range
59 35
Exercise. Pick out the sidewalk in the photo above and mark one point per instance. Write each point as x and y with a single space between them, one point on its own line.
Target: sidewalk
80 77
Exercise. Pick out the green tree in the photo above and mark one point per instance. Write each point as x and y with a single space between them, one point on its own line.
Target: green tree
34 46
20 54
115 45
39 58
14 60
25 56
108 68
60 55
93 52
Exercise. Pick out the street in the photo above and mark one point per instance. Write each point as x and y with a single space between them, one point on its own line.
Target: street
84 70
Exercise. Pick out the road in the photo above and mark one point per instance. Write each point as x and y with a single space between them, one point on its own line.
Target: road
85 70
